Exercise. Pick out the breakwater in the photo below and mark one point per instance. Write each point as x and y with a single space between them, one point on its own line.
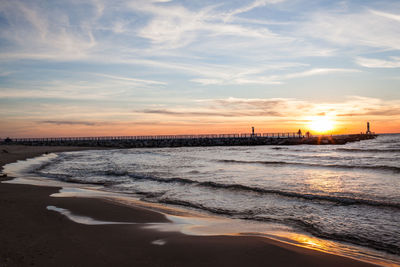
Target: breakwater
190 140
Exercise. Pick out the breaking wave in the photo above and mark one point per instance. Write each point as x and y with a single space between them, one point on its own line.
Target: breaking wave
368 150
235 187
340 166
299 223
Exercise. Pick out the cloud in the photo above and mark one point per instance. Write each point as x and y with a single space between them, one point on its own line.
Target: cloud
208 113
166 25
232 108
175 26
271 103
251 6
262 78
5 73
63 90
286 107
220 74
386 15
394 111
318 71
84 86
135 81
378 63
364 27
357 106
174 37
85 123
36 33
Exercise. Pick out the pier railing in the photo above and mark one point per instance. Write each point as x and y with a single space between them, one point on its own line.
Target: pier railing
155 137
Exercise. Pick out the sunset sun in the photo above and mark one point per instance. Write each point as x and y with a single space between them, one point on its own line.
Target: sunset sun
321 124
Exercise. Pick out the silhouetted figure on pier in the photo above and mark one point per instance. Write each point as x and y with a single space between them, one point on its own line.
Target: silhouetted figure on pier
308 134
299 133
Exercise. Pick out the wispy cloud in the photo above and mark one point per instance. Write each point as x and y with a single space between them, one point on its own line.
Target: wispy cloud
249 7
176 26
198 33
391 16
232 107
58 89
373 112
364 27
378 63
34 33
209 113
319 71
251 78
60 122
134 80
5 73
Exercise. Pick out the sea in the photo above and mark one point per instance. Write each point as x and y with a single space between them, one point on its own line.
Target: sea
343 196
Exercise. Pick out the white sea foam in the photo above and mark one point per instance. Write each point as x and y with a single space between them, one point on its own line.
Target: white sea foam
81 219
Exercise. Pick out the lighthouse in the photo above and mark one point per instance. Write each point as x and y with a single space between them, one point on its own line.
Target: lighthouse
368 130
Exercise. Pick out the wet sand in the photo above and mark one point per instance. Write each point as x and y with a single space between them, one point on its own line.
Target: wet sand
31 235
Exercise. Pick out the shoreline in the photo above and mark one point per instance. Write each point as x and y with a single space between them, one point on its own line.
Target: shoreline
33 235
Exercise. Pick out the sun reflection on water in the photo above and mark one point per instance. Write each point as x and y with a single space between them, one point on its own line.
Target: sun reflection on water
330 247
324 181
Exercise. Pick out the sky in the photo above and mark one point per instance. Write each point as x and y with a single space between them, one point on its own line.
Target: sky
155 67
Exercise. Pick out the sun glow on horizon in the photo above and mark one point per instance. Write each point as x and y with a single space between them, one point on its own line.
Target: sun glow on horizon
321 124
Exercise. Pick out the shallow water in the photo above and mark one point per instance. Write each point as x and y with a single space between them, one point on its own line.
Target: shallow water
348 193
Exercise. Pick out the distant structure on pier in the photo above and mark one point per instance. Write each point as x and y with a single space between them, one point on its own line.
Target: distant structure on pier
368 129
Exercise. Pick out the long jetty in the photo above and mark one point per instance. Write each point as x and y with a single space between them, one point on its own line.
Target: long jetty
190 140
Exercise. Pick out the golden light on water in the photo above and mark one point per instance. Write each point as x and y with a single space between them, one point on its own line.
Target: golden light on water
321 124
307 241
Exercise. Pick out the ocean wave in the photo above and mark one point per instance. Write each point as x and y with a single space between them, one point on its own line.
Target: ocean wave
307 226
368 150
189 204
334 199
48 163
279 148
214 185
68 178
344 237
339 166
239 187
162 180
77 181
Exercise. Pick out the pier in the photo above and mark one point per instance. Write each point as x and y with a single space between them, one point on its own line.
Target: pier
252 139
